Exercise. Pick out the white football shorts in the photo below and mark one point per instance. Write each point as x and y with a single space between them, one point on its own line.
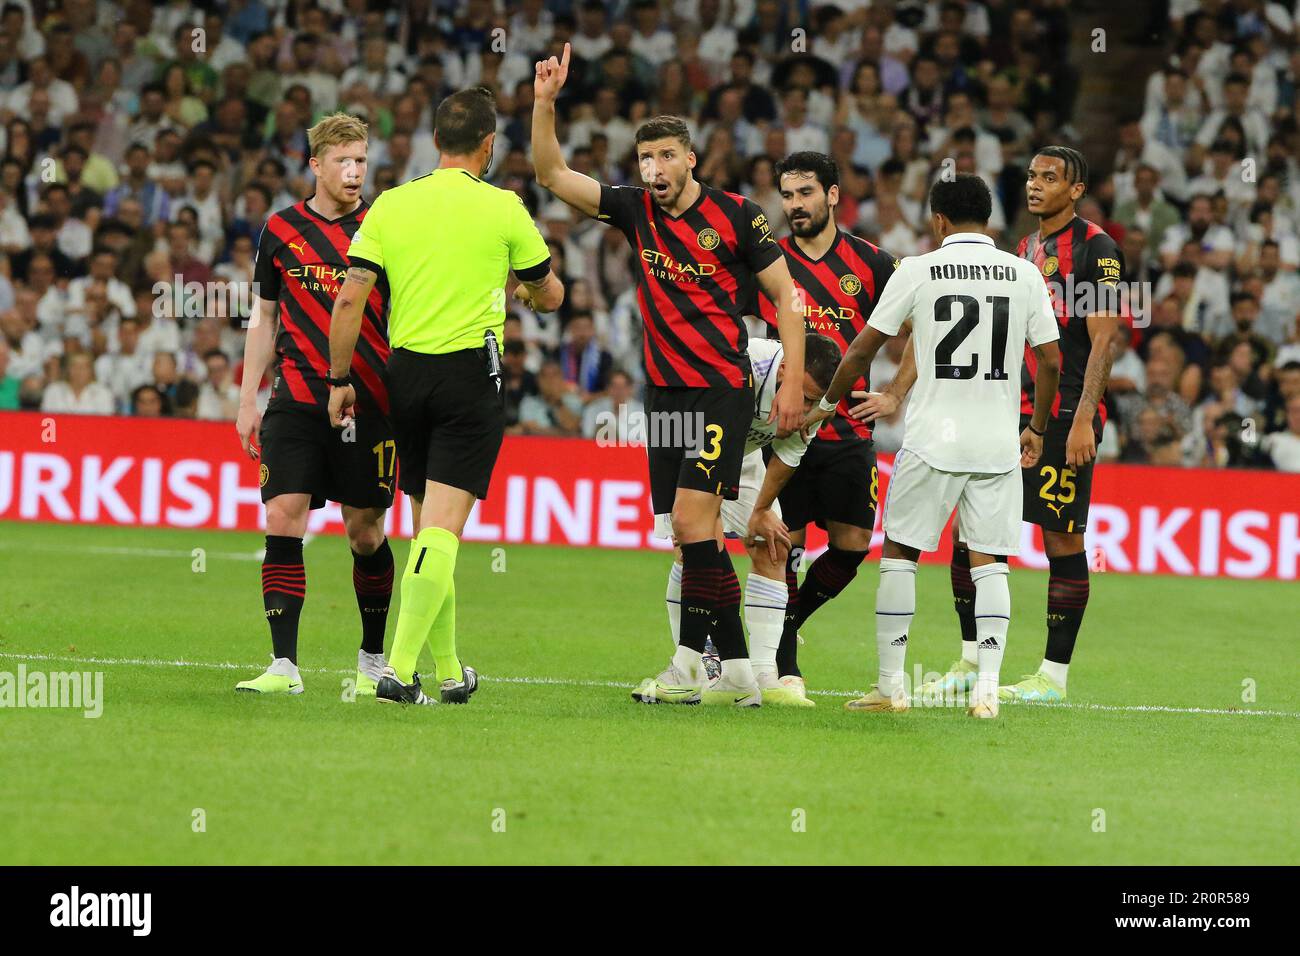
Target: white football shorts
921 499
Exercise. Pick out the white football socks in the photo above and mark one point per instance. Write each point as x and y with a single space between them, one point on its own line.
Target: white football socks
765 620
1055 671
738 672
674 601
895 607
992 618
689 663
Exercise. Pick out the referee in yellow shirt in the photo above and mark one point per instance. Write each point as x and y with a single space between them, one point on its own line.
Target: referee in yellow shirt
445 242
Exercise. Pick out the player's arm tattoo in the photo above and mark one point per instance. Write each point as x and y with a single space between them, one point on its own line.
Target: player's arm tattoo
360 275
1101 329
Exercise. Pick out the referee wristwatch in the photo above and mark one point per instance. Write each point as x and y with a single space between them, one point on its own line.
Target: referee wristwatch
338 382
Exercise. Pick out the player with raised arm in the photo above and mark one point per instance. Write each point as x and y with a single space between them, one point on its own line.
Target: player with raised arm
839 278
701 251
301 261
972 307
1082 266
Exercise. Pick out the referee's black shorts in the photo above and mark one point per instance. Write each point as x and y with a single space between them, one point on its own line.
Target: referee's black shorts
447 417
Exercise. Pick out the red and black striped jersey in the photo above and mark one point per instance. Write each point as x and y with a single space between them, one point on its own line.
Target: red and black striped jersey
302 258
1082 266
696 275
837 293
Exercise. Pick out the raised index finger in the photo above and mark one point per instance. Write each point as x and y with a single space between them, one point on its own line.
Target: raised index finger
564 58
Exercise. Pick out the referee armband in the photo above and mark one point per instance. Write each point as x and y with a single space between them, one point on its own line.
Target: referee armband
534 273
358 262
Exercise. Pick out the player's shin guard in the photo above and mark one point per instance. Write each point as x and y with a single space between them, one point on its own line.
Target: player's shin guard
1067 600
673 600
787 655
992 609
963 600
764 619
426 587
895 607
372 579
829 575
284 588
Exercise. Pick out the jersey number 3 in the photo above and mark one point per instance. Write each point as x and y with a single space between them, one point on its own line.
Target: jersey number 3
970 318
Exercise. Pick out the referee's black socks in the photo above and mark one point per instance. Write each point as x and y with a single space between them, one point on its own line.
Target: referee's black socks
372 579
284 587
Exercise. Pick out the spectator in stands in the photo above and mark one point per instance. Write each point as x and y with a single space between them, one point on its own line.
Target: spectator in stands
555 410
1283 447
218 398
1280 301
1285 386
517 382
1148 209
165 374
125 368
78 393
585 364
617 416
149 402
9 384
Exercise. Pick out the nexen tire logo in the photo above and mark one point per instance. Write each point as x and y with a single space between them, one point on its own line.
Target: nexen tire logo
75 909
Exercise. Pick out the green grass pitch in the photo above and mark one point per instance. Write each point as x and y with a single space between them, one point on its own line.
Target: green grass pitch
553 763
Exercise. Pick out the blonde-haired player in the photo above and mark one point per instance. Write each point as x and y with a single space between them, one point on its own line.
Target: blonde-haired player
301 261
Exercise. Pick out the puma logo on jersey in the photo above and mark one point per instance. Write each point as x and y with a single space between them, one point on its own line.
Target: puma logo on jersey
707 469
298 247
387 486
1056 508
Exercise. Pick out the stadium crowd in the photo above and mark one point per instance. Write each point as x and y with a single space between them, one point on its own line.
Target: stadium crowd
144 146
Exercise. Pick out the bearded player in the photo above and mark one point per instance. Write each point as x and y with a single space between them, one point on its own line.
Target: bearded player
1082 266
301 260
839 278
700 253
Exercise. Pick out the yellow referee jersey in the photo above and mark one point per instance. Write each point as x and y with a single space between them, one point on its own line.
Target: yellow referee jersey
446 241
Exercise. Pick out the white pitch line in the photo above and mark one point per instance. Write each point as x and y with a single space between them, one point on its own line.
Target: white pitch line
133 552
616 685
